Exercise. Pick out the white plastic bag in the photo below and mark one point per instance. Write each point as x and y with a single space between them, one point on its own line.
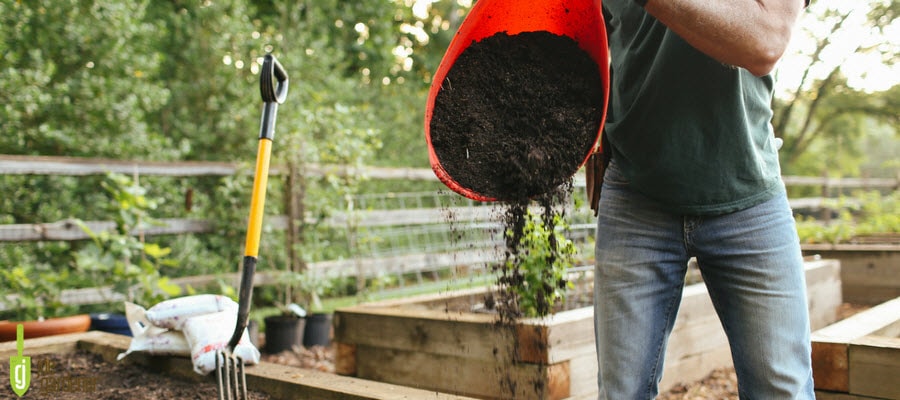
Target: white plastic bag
197 326
172 313
209 334
152 339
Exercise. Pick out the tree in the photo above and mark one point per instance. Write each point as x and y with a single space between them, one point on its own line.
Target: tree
823 118
75 70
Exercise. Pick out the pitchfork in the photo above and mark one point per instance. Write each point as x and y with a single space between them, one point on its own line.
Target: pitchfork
230 375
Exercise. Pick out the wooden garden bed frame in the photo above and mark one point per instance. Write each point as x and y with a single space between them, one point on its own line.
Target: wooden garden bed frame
859 357
278 381
428 342
870 271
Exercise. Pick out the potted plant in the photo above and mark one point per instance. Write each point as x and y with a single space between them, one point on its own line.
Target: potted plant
286 329
35 301
317 331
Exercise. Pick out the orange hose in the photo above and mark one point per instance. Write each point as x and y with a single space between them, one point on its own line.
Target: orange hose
258 201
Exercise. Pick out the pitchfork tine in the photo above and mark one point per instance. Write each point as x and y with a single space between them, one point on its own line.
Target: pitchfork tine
230 377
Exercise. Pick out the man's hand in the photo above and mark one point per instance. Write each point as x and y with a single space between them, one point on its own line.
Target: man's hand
751 34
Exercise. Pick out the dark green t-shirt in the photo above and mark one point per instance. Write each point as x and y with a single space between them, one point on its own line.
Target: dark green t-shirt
686 130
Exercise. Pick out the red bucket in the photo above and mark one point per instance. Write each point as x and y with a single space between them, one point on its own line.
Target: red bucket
580 20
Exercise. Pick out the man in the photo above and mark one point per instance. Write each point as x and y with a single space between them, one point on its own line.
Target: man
694 173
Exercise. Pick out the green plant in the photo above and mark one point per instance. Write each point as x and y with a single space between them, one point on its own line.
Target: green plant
122 260
311 288
34 292
864 213
540 268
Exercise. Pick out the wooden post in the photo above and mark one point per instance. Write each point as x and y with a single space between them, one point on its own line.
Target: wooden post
294 191
826 193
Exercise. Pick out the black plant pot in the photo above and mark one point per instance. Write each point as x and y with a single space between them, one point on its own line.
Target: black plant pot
318 330
112 323
283 332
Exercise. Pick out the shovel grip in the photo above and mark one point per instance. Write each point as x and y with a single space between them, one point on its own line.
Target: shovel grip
273 91
273 86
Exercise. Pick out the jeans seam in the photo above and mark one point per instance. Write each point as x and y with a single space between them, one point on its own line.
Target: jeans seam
670 311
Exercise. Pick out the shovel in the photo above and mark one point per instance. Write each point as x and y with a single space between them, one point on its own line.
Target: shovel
273 84
580 20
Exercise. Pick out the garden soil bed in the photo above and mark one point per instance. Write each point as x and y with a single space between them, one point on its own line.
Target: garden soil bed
81 374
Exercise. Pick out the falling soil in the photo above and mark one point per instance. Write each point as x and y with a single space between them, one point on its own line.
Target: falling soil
514 218
517 114
82 375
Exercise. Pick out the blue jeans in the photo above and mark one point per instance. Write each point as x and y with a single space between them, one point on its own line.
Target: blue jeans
752 266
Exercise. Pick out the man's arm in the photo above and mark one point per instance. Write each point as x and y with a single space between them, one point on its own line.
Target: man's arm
752 34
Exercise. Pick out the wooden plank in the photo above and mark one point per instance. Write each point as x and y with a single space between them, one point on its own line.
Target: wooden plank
471 377
68 230
816 248
44 345
823 291
470 336
406 263
875 366
344 359
868 276
700 336
826 395
583 376
693 367
77 166
841 182
862 324
830 345
570 334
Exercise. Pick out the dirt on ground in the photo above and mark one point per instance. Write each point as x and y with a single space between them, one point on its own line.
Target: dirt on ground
83 375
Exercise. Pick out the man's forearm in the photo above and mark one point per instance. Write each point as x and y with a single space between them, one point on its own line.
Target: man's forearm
751 34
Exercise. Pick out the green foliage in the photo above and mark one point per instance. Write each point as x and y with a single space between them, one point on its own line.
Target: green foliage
34 292
543 261
118 258
76 69
865 213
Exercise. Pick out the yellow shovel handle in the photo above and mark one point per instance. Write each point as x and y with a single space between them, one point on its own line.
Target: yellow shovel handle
258 201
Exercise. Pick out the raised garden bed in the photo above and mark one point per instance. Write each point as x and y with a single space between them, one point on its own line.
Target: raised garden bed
267 380
436 343
870 268
859 357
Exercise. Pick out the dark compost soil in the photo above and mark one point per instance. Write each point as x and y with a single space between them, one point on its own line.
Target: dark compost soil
517 114
82 375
